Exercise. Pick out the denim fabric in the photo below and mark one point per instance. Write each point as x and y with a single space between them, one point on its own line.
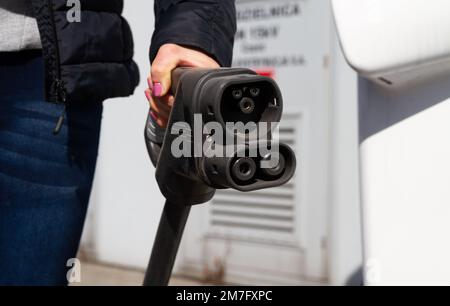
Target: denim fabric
45 180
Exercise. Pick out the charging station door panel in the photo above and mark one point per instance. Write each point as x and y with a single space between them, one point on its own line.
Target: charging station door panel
275 236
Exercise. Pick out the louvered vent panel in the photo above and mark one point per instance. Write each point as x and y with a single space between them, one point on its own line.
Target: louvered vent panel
260 215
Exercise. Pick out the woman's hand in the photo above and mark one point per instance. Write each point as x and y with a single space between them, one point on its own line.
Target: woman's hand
169 57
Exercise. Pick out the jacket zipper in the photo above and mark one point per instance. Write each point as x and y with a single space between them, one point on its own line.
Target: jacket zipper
60 90
61 94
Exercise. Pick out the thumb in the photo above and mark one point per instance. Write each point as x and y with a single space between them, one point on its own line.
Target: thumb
165 61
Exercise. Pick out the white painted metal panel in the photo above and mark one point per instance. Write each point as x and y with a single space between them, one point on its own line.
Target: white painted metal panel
404 127
385 37
405 163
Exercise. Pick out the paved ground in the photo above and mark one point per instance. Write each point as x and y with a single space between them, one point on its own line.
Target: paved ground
93 274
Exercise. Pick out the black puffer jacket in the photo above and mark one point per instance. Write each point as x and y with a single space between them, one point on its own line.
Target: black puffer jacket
92 60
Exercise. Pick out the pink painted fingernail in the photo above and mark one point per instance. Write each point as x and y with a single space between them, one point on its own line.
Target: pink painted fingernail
157 89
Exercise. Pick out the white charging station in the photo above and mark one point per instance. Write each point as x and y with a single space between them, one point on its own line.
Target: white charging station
401 49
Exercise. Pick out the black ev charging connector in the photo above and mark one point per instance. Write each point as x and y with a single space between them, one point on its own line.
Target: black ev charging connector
224 98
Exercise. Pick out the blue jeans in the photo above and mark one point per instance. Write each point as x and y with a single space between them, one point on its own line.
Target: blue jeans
45 180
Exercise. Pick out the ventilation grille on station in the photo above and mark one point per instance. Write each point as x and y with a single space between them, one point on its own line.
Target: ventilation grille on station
260 214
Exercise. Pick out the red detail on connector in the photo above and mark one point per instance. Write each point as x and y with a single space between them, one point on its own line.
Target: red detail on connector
266 72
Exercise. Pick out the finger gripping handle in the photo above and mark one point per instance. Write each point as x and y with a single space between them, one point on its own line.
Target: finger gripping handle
154 134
